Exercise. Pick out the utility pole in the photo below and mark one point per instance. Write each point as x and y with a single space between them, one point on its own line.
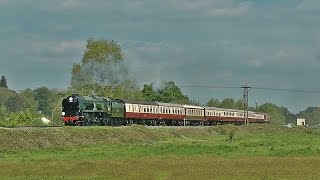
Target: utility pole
246 103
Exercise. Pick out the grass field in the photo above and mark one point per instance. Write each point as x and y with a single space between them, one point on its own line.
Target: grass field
221 152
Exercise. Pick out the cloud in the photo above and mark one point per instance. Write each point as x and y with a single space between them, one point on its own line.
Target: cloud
207 42
308 5
40 49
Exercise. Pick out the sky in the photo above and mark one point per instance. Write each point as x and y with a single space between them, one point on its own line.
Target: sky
217 43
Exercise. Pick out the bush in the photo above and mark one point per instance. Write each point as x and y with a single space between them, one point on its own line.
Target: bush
22 118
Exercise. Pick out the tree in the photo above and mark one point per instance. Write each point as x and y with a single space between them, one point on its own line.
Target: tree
228 103
3 82
102 51
290 118
239 104
213 103
274 111
170 93
44 98
15 104
30 102
311 114
149 93
102 63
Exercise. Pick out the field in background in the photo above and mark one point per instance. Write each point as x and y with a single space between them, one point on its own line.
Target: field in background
221 152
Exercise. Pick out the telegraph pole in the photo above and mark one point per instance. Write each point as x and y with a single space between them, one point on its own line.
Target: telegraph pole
246 103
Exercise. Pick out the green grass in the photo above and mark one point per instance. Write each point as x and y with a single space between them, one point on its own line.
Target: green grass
222 152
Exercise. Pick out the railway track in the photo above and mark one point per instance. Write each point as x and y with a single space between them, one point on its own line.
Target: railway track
151 127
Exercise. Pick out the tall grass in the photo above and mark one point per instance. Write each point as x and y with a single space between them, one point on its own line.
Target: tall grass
221 152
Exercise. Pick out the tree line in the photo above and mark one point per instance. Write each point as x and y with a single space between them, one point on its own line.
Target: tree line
103 71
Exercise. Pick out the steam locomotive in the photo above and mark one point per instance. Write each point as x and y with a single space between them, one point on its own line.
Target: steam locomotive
96 110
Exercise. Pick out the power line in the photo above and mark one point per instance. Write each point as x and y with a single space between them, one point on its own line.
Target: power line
257 88
287 90
211 87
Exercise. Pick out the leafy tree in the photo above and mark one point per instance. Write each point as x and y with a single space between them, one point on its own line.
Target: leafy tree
228 103
274 111
15 104
239 104
30 102
170 93
311 114
44 98
22 118
76 76
127 90
213 103
102 51
194 102
101 64
290 118
3 82
149 93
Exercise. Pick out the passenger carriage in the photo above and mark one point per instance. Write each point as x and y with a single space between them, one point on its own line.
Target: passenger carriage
140 112
171 114
194 115
215 115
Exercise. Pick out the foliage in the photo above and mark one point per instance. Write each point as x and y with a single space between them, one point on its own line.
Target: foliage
101 64
274 111
127 90
3 113
77 79
239 104
3 82
228 103
44 98
290 117
168 93
311 114
30 102
213 103
149 93
15 104
5 94
22 118
102 51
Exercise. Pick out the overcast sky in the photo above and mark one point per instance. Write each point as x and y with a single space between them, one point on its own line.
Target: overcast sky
222 43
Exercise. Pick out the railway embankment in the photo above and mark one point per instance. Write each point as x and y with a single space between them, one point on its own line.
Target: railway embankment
35 138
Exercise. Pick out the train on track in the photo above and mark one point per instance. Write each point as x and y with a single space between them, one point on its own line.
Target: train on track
90 110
